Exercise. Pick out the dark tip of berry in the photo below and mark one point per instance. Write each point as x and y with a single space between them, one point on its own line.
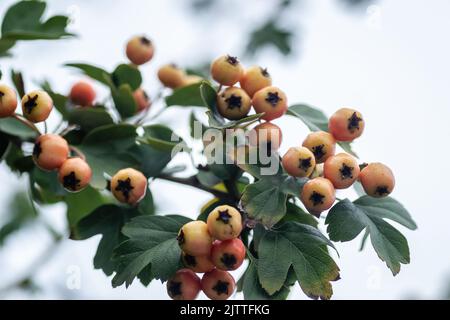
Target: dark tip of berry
232 60
145 41
190 261
174 288
174 65
228 260
125 187
346 172
224 216
353 122
363 165
37 150
382 191
305 164
273 98
180 238
71 182
31 103
316 198
221 287
108 185
265 72
234 101
1 94
319 151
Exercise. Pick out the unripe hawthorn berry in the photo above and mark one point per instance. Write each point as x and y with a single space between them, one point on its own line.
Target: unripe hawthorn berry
198 264
218 284
228 254
226 70
50 151
8 101
321 144
36 106
346 124
233 103
184 285
191 79
142 99
268 134
377 180
171 76
254 79
299 162
271 101
82 94
318 195
224 222
342 170
129 186
139 50
194 238
74 174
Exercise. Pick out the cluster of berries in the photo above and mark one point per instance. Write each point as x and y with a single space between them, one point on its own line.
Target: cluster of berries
212 248
51 151
316 159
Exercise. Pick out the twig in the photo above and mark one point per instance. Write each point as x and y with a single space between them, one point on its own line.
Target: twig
30 125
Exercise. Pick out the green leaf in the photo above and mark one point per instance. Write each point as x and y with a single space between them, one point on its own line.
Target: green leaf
189 96
22 21
124 101
108 221
297 214
93 72
107 150
161 137
270 34
152 244
89 118
303 248
18 213
146 205
4 144
17 80
127 74
265 200
346 220
316 120
82 203
5 46
16 128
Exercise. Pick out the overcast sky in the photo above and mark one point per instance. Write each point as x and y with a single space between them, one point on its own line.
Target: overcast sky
391 62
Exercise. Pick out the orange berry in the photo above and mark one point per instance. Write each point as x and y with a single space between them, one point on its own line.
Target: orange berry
142 99
321 144
342 170
8 101
224 222
377 180
198 264
218 284
194 238
226 70
139 50
346 124
184 285
171 76
83 94
228 254
299 162
318 195
268 134
50 151
74 174
129 186
271 101
233 103
36 106
254 79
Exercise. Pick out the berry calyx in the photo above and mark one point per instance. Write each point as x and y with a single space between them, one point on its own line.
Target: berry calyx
171 76
321 144
254 79
346 124
377 180
36 106
139 50
266 134
142 100
233 103
75 174
226 70
129 186
194 238
342 170
198 264
224 222
271 101
218 284
50 151
82 94
228 254
184 285
8 101
299 162
318 195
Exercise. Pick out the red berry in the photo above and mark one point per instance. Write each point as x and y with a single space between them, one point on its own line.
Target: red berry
8 101
218 284
228 254
271 101
140 50
184 285
129 186
50 151
82 94
346 124
75 174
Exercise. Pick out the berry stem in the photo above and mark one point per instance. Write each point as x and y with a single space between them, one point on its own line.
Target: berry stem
78 152
30 125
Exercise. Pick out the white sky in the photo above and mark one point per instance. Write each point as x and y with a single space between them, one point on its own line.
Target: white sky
391 64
